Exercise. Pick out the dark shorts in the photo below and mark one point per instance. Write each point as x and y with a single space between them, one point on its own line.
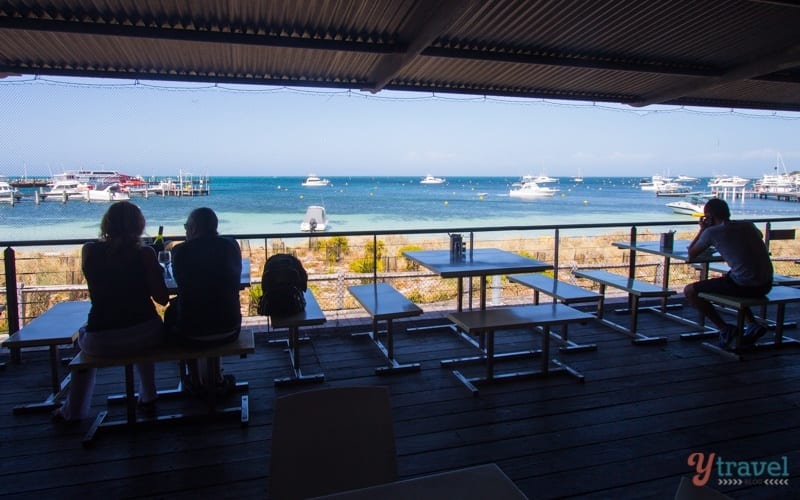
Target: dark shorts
726 286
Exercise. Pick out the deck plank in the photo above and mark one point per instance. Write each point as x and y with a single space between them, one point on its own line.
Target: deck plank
626 433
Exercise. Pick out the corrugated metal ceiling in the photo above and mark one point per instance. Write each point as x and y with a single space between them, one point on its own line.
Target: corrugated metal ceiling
726 53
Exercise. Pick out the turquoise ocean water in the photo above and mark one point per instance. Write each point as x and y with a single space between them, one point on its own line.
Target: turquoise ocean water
249 205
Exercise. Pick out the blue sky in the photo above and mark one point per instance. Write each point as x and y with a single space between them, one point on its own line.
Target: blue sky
156 128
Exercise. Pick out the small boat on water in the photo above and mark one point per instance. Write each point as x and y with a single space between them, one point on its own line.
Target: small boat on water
315 219
675 189
8 194
68 189
690 205
429 179
107 192
531 189
314 181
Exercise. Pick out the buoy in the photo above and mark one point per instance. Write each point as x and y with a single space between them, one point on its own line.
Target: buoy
585 202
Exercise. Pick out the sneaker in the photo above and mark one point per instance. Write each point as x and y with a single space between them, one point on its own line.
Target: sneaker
753 332
727 335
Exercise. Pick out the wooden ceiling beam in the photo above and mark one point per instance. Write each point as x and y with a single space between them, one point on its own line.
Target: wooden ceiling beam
426 22
786 58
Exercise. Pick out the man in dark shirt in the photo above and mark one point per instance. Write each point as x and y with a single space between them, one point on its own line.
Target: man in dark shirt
740 244
207 270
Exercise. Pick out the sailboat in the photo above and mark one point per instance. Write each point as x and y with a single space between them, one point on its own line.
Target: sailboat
578 178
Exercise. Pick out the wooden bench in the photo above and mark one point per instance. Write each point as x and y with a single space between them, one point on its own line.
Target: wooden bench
488 321
564 292
57 326
312 315
778 296
636 289
241 347
383 303
777 279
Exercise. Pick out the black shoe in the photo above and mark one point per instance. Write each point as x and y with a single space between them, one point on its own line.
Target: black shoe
752 333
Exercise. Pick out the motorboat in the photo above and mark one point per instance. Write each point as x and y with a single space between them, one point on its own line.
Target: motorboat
315 219
686 178
531 189
538 179
65 190
690 205
8 194
106 192
654 183
314 181
727 181
675 189
429 179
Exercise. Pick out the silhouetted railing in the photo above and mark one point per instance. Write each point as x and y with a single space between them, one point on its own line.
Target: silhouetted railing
38 273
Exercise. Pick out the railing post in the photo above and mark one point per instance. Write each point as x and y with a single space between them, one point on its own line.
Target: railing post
555 253
12 301
12 304
375 258
632 266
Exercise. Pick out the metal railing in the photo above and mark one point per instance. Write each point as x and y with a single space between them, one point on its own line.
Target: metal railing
38 273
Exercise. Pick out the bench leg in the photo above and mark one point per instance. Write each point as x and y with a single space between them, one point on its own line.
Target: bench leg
294 358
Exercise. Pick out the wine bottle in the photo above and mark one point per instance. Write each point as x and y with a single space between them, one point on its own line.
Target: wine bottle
158 243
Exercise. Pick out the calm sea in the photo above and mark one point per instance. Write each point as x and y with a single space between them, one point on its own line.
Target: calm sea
277 204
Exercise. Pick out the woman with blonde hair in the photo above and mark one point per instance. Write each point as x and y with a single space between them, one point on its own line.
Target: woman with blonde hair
124 279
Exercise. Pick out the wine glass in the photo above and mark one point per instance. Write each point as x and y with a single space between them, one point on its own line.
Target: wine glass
165 258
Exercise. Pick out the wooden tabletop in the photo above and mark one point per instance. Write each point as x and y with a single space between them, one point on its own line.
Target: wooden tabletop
58 325
516 316
680 250
477 262
244 278
312 315
382 301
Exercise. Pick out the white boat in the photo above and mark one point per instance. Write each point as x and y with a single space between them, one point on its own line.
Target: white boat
578 178
429 179
686 178
691 205
538 179
106 192
8 193
315 219
65 189
675 189
655 183
727 181
531 189
313 181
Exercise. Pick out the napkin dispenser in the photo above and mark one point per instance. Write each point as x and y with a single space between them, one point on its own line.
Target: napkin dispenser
667 240
458 247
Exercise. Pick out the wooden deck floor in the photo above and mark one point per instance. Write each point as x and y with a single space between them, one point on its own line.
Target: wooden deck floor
627 432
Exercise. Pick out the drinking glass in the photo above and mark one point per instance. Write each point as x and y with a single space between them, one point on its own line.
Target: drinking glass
165 259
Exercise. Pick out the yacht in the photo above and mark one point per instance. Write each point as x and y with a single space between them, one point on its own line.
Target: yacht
727 181
655 183
429 179
315 219
690 205
675 189
531 189
538 179
8 194
313 181
65 190
106 192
